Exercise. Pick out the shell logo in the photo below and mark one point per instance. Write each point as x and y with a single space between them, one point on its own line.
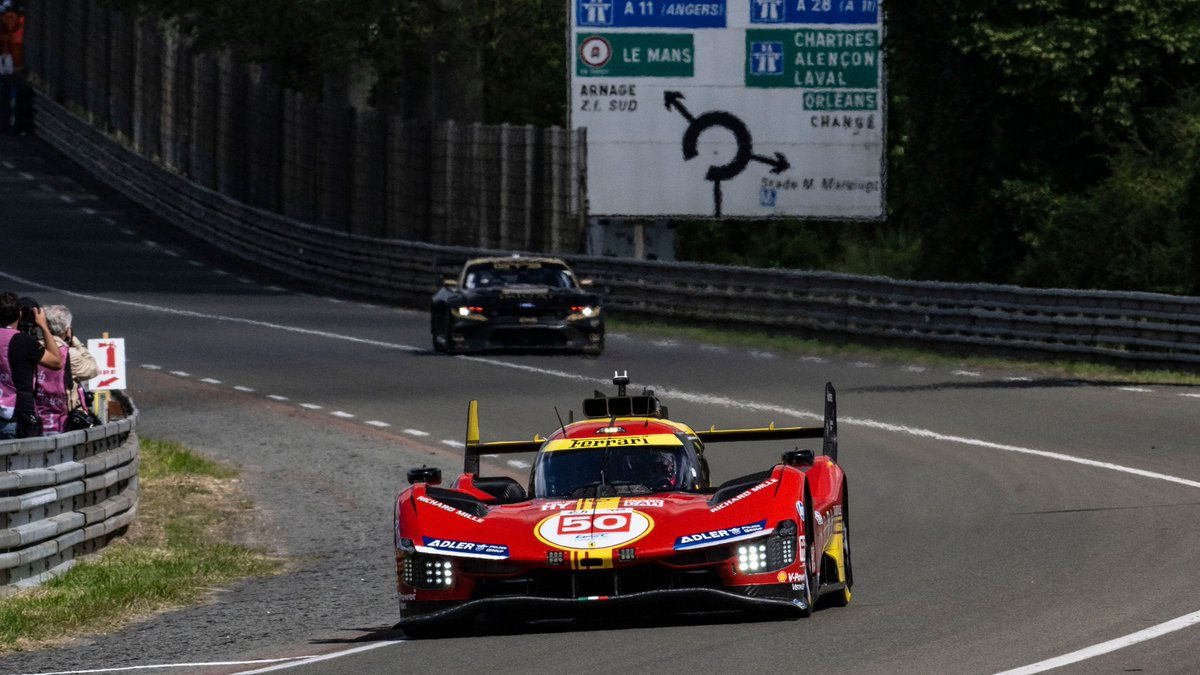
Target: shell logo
782 576
599 529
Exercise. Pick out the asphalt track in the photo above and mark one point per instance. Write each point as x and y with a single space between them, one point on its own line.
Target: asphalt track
972 553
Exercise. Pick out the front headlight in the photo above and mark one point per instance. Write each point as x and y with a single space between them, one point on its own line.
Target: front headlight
580 312
752 557
431 572
472 312
769 553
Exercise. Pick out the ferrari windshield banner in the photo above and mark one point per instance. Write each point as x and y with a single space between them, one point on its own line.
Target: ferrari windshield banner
730 108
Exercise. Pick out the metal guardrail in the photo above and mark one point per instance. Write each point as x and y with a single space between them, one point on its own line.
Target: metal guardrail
64 496
1144 328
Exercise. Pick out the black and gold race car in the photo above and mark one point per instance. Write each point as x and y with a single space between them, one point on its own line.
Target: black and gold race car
516 303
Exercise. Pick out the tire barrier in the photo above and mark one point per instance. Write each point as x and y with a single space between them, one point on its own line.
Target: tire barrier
1146 329
64 496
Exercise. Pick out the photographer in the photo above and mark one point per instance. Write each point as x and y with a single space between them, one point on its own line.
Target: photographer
57 392
20 355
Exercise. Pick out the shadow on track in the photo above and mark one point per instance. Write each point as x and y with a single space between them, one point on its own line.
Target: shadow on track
565 625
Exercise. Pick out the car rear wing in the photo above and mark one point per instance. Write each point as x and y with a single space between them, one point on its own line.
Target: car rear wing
475 448
827 432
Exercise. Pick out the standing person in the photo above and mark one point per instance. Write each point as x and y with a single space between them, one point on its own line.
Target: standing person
20 354
56 393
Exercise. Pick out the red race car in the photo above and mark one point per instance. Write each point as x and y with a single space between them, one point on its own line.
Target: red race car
620 511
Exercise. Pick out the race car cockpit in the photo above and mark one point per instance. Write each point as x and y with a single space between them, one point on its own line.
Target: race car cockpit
618 470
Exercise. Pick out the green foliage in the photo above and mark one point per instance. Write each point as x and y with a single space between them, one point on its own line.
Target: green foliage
1130 230
169 458
177 550
1016 131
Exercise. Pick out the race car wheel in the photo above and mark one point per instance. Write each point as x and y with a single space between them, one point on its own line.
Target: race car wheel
812 558
841 597
437 346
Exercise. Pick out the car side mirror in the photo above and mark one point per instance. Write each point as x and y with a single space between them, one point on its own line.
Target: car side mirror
426 474
798 457
450 283
587 283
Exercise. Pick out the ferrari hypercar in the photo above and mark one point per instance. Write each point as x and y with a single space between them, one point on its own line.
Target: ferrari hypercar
619 511
517 302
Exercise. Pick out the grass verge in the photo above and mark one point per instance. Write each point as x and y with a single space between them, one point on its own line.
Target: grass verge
178 549
789 344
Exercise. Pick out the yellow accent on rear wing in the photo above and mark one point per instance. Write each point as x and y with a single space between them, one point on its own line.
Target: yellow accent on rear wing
475 448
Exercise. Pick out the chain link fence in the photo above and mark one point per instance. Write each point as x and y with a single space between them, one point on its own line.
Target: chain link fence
233 128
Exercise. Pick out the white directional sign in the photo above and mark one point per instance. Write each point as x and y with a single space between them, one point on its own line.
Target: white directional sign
730 108
110 357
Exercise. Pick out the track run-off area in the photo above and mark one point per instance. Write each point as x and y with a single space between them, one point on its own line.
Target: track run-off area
1002 521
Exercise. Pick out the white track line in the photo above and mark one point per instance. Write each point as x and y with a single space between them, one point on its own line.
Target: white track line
195 263
1191 395
666 392
207 664
1018 379
1136 390
1110 646
756 354
89 211
209 380
126 230
416 432
181 373
324 657
8 165
277 397
518 464
814 359
241 388
863 364
342 414
27 176
151 366
966 373
310 406
454 444
377 423
914 369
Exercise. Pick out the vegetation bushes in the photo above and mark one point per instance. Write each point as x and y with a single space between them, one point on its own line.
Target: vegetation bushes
1047 142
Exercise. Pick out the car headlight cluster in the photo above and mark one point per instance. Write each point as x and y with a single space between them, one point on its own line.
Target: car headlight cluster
752 557
428 572
769 553
470 312
579 312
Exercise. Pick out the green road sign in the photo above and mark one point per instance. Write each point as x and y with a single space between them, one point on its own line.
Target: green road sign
813 58
635 54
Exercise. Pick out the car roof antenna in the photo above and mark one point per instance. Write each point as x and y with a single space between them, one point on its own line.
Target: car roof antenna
561 426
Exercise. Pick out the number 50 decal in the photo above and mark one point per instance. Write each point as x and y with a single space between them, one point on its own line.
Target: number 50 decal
604 528
601 522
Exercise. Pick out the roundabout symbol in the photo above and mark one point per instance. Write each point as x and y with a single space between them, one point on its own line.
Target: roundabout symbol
741 134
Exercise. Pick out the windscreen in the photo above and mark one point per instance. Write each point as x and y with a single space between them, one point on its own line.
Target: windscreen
497 275
613 471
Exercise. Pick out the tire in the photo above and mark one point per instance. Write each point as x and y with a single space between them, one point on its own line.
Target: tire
841 597
811 580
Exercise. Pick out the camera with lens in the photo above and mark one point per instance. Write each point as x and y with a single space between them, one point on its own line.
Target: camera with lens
26 322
